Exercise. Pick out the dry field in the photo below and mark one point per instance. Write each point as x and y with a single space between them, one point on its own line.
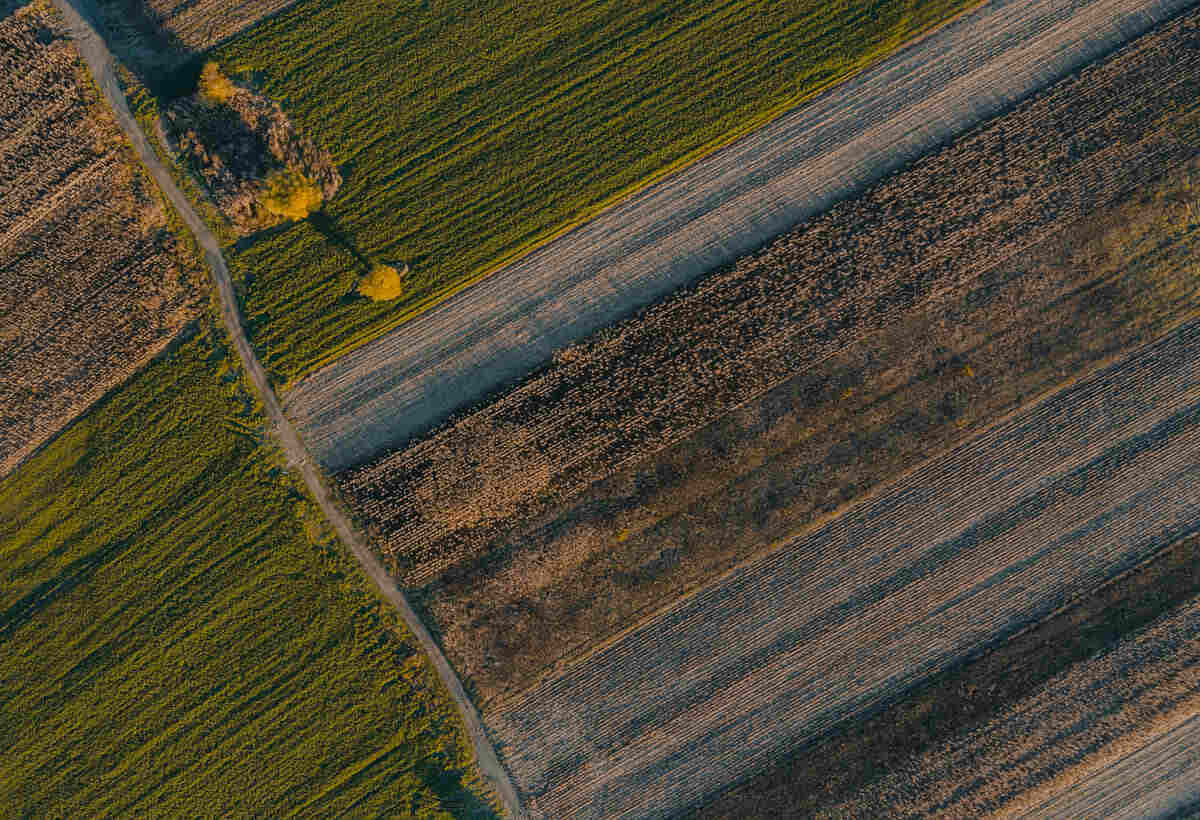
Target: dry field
846 763
1117 735
198 26
670 447
93 282
645 247
959 553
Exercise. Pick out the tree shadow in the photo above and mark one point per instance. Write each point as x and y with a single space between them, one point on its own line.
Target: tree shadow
452 794
324 224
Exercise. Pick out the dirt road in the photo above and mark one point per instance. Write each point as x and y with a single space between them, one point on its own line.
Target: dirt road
962 551
718 209
80 17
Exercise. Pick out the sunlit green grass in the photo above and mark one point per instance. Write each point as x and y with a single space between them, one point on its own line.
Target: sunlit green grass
467 131
180 636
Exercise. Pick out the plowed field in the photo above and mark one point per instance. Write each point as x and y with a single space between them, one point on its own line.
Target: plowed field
1115 736
93 282
710 214
963 551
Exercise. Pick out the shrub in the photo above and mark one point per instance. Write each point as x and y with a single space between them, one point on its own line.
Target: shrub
215 88
291 194
382 284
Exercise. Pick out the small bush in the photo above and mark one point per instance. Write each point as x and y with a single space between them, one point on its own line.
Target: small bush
215 88
291 195
383 283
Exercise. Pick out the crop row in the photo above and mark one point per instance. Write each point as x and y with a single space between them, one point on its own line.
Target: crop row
617 399
92 281
1074 726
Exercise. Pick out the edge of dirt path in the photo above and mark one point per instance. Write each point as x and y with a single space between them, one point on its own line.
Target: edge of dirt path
86 35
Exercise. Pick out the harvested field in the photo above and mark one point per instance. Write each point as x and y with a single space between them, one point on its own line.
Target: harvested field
642 249
673 446
93 279
853 757
1115 736
954 555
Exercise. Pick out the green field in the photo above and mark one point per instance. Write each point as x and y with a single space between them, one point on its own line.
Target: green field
468 130
180 636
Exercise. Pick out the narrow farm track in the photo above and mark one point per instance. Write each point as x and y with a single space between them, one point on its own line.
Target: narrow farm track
960 552
724 206
80 17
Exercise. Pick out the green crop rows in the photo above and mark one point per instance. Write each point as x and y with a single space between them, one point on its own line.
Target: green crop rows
181 636
468 131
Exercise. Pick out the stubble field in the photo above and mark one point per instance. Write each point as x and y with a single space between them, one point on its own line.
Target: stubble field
1114 736
959 553
650 459
93 279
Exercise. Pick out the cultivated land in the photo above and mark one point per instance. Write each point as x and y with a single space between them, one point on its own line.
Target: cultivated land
848 762
1117 735
181 634
962 551
729 204
93 281
651 459
467 131
101 63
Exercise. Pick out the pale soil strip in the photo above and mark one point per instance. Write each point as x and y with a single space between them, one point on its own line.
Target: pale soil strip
722 207
79 16
1117 735
970 547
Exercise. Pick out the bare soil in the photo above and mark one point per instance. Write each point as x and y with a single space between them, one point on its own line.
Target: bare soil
1049 750
652 458
855 761
93 283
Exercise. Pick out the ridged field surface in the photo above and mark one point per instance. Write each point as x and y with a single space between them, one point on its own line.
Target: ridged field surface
92 281
381 394
961 551
1117 735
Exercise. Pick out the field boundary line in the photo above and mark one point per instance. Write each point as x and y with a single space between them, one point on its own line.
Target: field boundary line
588 214
1032 402
79 16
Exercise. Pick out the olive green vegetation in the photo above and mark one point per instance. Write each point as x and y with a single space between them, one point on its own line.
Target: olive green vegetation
469 130
181 635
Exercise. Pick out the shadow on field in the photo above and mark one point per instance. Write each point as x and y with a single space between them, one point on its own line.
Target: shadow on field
323 224
451 793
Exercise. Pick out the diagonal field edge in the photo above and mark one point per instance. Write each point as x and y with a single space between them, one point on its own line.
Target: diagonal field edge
400 385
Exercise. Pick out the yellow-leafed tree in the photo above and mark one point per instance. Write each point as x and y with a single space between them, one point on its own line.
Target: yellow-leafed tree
290 194
215 88
382 284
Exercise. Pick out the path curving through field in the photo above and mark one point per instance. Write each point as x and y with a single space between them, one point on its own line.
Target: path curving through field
378 396
80 16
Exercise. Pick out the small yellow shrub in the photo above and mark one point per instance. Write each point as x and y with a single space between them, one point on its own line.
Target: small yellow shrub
383 283
215 87
291 195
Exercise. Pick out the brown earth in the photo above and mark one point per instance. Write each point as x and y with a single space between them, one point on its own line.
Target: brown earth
93 282
851 762
232 147
648 460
